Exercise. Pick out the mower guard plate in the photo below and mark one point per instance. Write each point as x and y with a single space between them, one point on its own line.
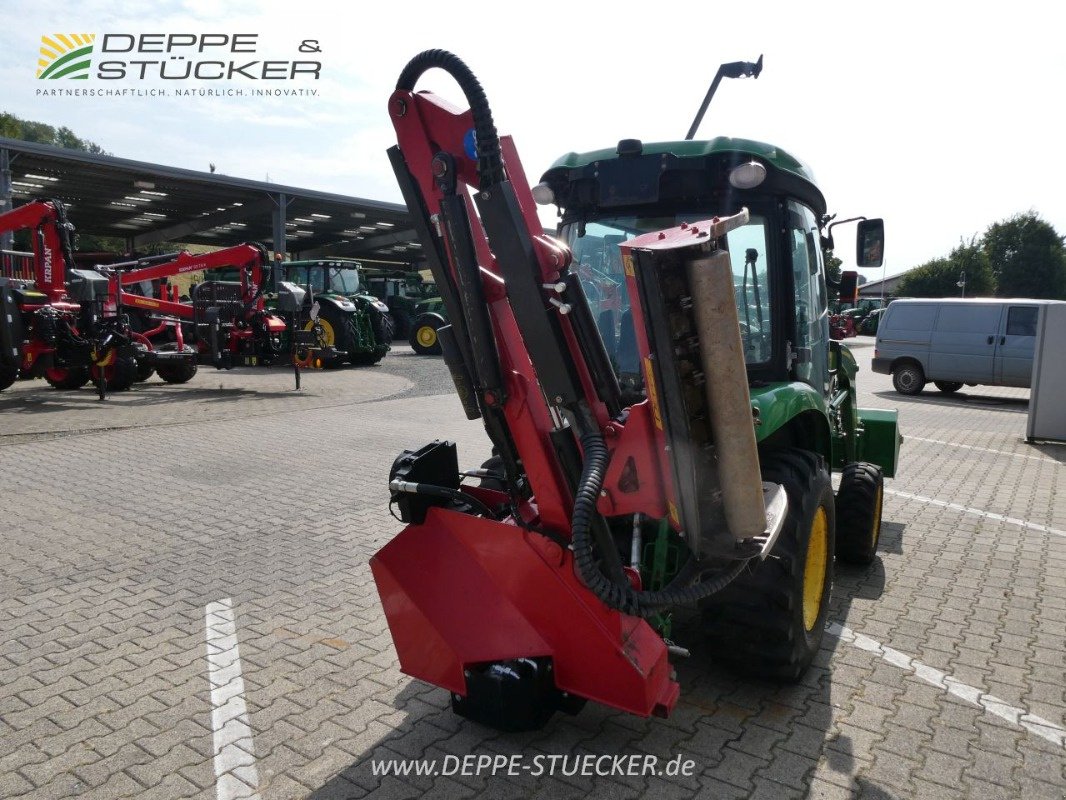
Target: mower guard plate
460 590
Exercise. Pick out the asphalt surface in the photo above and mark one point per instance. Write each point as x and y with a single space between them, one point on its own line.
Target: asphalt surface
186 610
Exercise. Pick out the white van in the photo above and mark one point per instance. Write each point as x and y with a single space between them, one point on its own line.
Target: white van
956 342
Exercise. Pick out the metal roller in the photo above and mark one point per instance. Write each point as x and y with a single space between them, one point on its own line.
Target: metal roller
726 386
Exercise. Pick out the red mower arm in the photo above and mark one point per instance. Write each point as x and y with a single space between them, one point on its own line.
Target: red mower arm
51 242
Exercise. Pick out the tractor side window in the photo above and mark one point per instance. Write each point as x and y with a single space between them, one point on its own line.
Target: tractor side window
747 253
811 328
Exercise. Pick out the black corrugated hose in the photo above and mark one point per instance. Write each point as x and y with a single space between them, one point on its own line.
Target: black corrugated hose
680 591
489 161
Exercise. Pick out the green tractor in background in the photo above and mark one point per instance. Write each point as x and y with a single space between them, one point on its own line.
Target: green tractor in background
400 290
354 321
416 308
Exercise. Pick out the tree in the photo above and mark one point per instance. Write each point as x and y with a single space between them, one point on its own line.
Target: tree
1027 257
940 277
832 266
971 260
28 131
935 278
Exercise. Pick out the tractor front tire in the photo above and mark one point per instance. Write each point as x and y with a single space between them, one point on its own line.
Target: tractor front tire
769 622
423 338
67 378
858 506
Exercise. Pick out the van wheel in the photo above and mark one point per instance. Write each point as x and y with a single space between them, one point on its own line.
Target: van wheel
908 379
948 387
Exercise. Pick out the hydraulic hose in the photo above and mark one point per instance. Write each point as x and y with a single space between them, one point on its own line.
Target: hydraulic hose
489 160
682 590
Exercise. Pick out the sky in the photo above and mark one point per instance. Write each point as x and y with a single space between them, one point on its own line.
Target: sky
942 118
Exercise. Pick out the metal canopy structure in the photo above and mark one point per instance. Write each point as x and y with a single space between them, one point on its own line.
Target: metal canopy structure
147 204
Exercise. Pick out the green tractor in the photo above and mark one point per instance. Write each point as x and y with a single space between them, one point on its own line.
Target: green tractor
354 321
802 384
401 291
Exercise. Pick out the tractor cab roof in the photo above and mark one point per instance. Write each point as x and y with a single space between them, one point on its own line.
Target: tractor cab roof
675 174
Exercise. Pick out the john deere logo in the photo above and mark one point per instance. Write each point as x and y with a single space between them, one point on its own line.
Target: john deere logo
65 55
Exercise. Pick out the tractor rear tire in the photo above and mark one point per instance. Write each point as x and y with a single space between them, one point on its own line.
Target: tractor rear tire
423 338
67 378
769 622
119 376
858 505
401 323
7 376
340 333
948 387
908 378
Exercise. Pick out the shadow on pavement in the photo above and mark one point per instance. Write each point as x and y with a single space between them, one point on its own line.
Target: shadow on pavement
891 540
1055 450
743 735
1017 405
147 396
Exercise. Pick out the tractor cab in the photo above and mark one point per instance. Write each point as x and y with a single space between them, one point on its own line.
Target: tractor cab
608 197
334 276
354 321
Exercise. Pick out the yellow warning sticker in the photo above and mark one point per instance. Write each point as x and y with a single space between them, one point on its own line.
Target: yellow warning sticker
653 393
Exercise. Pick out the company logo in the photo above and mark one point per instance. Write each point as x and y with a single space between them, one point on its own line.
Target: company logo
65 55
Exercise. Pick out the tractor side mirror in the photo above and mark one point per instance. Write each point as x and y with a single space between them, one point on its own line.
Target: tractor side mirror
849 287
870 243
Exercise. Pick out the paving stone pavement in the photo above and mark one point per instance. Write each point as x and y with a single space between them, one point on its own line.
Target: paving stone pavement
119 532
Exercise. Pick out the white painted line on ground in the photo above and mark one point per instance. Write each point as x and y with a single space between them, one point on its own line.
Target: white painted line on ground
236 775
1045 729
982 449
977 512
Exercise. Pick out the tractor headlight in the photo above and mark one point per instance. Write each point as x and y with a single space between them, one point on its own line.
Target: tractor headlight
747 175
543 194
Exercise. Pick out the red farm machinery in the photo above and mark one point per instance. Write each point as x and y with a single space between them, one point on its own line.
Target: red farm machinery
549 576
71 326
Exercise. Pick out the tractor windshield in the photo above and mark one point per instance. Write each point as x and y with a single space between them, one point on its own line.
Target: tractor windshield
598 263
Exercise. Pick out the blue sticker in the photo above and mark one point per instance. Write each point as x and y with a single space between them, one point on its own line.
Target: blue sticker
470 145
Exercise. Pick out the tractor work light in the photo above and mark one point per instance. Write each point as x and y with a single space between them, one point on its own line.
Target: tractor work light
747 175
543 194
